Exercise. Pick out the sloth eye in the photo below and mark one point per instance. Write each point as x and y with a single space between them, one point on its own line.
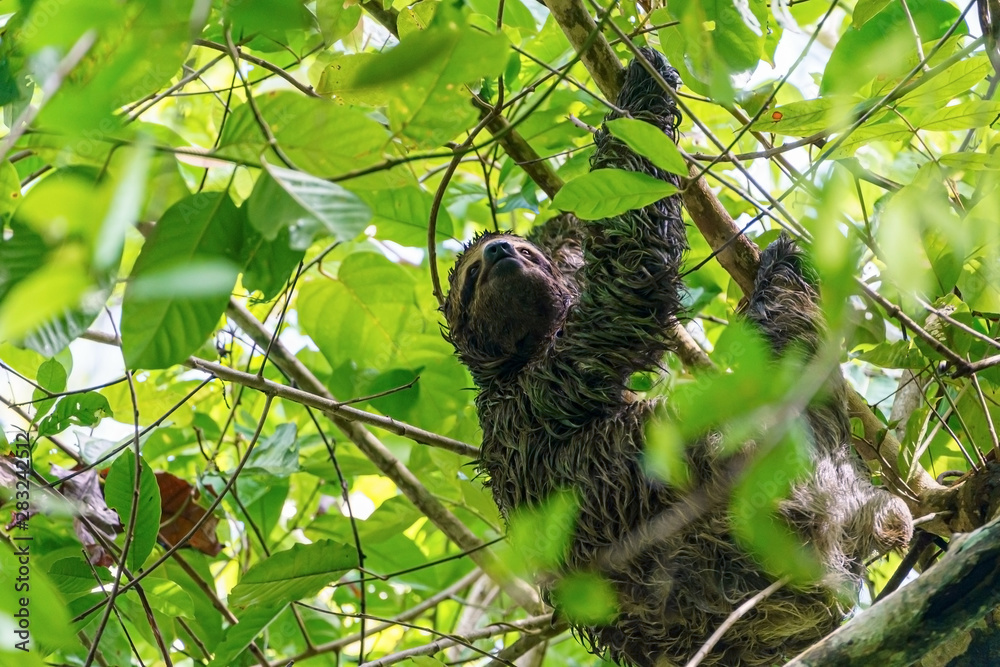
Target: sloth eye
473 271
526 252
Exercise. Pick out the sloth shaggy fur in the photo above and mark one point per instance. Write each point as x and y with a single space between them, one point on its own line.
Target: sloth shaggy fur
551 331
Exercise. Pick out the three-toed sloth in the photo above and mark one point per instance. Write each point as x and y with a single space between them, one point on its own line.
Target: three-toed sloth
552 331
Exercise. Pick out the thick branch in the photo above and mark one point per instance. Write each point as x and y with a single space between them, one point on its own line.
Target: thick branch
947 599
595 52
737 254
521 152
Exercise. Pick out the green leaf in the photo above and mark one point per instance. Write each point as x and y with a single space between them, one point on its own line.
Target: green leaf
139 48
866 134
665 455
540 535
422 77
251 623
270 18
881 45
447 54
650 142
168 598
308 207
45 608
86 409
363 314
10 191
898 354
336 20
338 78
293 574
51 376
74 576
267 265
980 282
118 492
972 161
181 281
801 119
402 215
721 37
964 116
22 250
952 82
586 598
865 10
323 138
604 193
278 455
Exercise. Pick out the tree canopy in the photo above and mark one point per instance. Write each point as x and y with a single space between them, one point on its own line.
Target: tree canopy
237 435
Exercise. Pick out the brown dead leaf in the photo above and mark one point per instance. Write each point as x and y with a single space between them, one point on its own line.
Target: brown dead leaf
181 511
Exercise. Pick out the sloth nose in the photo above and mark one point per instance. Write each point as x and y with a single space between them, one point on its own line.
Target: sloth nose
496 251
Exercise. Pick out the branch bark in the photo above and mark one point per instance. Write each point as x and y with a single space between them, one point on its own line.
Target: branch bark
947 599
595 51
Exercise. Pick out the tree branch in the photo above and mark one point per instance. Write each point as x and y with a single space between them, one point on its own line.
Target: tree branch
949 598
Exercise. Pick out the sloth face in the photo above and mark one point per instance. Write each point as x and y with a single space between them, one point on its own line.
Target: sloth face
506 298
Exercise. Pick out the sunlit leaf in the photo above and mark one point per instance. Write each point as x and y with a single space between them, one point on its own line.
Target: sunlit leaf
962 116
865 135
293 574
954 81
864 10
648 141
361 315
586 598
307 206
402 215
608 192
119 492
877 47
200 233
321 137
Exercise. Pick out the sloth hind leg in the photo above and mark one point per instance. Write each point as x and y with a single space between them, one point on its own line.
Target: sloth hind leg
837 509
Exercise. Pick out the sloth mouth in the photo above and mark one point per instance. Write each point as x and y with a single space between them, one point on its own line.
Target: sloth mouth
504 266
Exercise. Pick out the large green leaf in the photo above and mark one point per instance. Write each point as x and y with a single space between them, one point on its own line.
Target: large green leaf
139 48
966 116
804 118
423 77
445 54
293 574
880 46
181 282
604 193
650 142
866 134
402 215
81 409
715 39
308 207
118 492
363 314
321 137
954 81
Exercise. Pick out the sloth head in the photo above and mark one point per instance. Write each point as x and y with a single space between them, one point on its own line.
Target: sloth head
505 301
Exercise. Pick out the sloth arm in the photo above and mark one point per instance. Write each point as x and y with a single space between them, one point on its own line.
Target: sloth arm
630 283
